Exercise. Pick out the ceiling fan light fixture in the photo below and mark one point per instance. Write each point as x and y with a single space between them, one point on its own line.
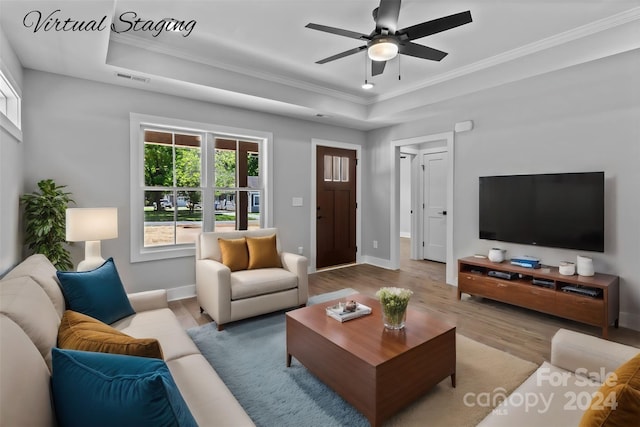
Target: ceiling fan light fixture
367 85
382 49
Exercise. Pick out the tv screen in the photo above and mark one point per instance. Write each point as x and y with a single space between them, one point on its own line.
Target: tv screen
561 210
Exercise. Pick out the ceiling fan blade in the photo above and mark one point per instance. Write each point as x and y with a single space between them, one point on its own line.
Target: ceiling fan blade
377 67
424 52
341 55
338 31
437 25
387 15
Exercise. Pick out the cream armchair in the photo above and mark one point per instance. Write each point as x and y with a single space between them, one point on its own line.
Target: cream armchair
228 295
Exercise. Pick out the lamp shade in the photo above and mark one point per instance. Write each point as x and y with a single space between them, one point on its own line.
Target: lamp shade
89 224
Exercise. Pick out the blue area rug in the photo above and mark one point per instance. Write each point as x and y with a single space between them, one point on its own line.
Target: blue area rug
250 357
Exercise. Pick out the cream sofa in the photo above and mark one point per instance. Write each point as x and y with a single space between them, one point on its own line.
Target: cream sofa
558 393
229 296
31 306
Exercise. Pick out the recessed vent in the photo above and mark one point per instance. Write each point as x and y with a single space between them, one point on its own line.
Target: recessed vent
132 77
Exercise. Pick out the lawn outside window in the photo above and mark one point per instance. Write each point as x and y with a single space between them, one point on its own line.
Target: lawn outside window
191 177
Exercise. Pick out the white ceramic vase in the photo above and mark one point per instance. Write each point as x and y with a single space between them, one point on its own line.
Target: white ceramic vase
496 255
585 266
567 268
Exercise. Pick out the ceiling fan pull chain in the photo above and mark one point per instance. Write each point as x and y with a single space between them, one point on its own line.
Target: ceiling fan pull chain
399 77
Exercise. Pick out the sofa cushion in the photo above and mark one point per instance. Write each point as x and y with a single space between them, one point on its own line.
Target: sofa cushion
100 389
162 325
617 403
263 252
205 393
24 384
40 269
24 302
251 283
549 397
234 253
81 332
97 293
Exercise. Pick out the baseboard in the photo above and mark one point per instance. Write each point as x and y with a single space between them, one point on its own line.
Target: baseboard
182 292
405 234
630 320
378 262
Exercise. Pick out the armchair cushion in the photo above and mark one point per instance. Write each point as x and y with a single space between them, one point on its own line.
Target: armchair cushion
234 253
263 252
251 283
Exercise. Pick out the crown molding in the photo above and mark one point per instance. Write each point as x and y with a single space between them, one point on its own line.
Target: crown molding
586 30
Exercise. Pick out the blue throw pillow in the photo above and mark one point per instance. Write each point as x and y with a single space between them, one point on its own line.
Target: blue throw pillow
97 293
102 389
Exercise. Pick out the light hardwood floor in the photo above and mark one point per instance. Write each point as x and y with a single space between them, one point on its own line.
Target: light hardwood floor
521 332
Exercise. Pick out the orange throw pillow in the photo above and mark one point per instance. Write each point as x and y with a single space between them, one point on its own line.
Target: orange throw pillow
78 331
617 403
263 252
234 253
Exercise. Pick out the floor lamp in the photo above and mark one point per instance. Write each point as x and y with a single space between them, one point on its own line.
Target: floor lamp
91 225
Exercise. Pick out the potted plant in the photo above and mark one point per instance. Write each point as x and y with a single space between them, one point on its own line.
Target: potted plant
44 214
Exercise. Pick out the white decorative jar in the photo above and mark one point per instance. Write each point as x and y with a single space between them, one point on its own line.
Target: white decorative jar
585 266
567 268
496 255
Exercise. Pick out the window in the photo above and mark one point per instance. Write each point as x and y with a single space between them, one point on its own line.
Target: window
10 106
172 187
237 181
191 177
336 168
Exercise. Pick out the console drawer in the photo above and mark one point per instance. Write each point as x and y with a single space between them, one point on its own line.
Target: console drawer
580 308
484 286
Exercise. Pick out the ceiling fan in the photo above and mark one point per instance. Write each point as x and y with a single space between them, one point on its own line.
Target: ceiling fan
385 42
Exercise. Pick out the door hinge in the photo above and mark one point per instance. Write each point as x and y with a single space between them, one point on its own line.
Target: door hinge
356 205
423 244
423 206
356 162
356 249
422 167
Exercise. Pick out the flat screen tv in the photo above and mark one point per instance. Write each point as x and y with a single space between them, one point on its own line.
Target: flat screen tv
560 210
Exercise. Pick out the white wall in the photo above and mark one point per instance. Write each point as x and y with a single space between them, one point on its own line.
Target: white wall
10 171
77 133
585 118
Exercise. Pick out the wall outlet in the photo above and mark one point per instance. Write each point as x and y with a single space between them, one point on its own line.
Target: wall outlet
375 244
300 250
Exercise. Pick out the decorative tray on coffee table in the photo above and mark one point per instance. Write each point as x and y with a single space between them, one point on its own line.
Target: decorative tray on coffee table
339 311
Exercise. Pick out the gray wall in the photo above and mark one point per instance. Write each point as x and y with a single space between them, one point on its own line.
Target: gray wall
10 172
585 118
578 119
77 132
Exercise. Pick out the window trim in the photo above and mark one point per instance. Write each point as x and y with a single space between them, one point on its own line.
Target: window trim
11 121
139 253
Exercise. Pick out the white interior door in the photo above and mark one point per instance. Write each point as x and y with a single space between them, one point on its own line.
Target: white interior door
435 206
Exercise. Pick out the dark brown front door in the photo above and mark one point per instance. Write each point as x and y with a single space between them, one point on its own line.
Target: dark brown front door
336 206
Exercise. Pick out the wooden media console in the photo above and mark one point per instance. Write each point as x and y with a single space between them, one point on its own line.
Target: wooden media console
548 297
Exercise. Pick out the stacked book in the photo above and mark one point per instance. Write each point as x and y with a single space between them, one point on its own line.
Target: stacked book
526 261
338 312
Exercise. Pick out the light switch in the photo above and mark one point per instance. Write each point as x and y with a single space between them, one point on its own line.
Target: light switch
296 201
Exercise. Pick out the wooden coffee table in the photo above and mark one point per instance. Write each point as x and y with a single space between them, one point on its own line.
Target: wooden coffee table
376 370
